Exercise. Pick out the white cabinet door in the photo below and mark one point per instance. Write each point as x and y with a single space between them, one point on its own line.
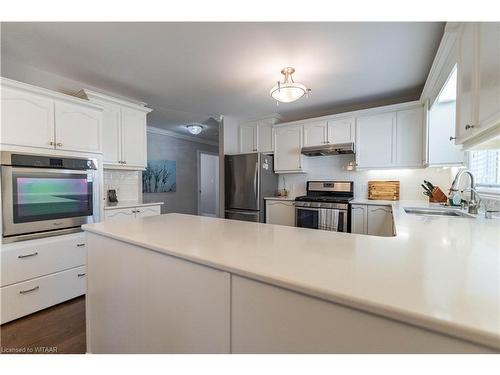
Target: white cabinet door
379 221
133 138
287 145
78 128
489 74
147 211
375 140
111 135
265 136
248 138
119 214
280 212
315 133
27 119
409 137
466 82
341 130
359 219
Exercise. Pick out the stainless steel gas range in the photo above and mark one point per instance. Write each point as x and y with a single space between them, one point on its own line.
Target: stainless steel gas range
326 206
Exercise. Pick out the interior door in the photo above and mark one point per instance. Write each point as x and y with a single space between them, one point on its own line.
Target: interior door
208 182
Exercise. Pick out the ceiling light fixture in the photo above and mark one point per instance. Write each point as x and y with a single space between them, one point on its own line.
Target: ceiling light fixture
288 90
194 128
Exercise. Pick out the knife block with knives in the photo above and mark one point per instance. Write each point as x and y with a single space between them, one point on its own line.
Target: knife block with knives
434 193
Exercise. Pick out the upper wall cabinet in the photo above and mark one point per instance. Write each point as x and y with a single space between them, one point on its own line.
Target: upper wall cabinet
478 98
329 131
33 117
288 141
390 139
257 136
124 131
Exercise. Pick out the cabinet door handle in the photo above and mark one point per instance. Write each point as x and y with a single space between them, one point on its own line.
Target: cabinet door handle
467 127
452 138
81 274
51 143
29 290
59 144
80 244
28 255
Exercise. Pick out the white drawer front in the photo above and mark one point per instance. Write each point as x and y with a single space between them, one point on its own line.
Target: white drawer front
144 211
119 214
33 295
25 260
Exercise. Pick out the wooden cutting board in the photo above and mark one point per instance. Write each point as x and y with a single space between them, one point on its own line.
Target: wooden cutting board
383 190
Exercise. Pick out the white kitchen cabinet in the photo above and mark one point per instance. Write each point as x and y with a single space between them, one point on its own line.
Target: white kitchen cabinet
133 138
280 212
488 74
249 137
375 140
39 118
147 211
359 219
478 98
341 130
120 214
315 133
124 131
40 273
379 221
409 138
111 135
257 136
78 128
27 119
288 141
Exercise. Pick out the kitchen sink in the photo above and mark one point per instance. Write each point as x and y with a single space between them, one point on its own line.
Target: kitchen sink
436 212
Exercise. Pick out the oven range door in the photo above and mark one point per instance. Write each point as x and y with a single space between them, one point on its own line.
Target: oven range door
310 217
42 199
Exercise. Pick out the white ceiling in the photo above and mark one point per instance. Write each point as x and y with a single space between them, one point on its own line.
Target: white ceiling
188 72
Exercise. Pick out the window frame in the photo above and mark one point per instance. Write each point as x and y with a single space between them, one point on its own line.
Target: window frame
483 189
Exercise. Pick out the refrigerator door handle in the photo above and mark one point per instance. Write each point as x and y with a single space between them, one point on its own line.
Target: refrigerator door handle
255 183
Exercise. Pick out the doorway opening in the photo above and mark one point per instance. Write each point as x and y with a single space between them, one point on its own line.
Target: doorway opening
208 184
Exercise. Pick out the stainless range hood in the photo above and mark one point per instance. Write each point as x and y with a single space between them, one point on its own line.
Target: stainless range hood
329 149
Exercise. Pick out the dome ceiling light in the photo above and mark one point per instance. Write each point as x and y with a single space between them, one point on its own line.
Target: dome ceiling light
194 129
288 91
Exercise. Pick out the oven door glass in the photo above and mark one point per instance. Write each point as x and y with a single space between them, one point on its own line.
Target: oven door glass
307 217
38 196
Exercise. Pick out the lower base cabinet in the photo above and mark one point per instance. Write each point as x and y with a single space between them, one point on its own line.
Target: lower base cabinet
40 273
375 220
280 212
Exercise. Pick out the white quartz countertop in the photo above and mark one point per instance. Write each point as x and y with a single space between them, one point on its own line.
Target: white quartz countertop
440 273
279 198
129 204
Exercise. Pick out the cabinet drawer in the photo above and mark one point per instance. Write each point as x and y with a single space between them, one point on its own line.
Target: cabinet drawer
26 260
33 295
147 211
119 214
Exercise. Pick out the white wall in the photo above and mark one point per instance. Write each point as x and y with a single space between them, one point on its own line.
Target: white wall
333 168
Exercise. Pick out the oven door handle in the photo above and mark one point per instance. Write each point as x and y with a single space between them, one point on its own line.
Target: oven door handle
307 208
49 170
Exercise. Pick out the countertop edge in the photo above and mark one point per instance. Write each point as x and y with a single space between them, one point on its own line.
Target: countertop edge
449 329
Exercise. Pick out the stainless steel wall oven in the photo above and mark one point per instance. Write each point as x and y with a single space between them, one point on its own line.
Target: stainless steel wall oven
45 195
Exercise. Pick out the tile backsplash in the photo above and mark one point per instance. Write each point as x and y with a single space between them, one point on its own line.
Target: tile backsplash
126 183
334 168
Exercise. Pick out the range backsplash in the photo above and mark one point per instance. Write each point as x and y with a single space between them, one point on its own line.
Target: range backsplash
334 168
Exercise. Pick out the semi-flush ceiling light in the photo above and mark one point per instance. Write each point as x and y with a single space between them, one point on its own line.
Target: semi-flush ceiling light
194 128
288 90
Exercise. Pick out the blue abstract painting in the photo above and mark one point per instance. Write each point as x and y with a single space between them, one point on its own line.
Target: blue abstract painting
159 176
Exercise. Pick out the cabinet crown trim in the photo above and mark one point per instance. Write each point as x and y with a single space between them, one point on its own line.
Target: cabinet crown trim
6 82
87 94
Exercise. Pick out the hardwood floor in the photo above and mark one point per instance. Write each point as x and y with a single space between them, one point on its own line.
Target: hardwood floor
58 329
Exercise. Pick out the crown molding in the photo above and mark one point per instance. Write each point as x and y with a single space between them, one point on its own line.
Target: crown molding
95 96
169 133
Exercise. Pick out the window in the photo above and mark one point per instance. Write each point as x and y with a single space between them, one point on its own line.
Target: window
485 166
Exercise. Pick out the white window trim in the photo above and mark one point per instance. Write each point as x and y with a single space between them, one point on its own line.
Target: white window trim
485 191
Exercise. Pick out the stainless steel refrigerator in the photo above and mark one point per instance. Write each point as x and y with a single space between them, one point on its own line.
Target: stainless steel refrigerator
248 179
